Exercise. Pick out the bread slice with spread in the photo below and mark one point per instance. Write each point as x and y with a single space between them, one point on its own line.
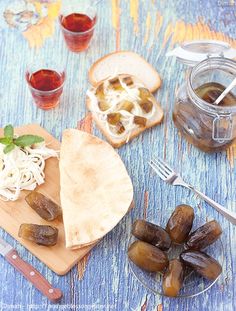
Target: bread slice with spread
122 108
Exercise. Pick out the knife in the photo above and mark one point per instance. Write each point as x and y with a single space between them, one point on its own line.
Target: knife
28 271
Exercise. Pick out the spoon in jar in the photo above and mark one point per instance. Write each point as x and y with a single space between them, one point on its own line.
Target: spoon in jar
226 91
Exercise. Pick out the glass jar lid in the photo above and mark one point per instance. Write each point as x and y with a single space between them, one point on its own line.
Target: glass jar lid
193 52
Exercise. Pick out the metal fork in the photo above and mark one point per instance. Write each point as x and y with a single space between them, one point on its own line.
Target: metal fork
166 173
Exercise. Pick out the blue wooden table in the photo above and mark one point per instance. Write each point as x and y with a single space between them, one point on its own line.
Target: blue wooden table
103 280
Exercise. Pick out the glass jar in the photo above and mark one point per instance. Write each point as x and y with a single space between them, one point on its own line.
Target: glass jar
209 127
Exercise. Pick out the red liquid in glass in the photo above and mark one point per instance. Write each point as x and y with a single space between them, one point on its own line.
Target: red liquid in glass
77 30
46 87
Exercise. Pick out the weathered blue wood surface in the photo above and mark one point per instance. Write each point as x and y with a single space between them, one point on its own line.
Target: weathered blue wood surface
108 283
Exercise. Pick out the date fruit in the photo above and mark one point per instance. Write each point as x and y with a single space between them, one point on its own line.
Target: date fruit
113 118
204 235
115 83
40 234
128 81
126 105
202 263
120 128
144 93
180 223
100 92
151 233
147 256
141 121
146 105
103 105
43 206
173 278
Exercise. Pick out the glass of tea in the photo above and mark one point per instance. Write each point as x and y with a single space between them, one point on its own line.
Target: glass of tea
45 82
78 21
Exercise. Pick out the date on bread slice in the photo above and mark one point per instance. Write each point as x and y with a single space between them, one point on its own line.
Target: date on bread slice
122 108
125 62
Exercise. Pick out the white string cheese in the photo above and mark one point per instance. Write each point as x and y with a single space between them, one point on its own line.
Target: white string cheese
22 169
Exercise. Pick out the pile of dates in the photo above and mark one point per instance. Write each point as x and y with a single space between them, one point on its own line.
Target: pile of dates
149 252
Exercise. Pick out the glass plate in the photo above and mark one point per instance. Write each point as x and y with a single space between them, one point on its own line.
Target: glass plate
193 284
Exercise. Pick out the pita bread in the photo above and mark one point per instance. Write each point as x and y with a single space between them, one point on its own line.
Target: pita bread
96 190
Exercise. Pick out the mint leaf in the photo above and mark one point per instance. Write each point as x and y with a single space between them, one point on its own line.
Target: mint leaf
8 148
27 140
8 131
5 140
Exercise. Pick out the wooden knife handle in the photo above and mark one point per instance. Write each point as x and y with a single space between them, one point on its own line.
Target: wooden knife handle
32 275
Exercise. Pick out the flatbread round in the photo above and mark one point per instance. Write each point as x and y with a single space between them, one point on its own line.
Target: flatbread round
96 190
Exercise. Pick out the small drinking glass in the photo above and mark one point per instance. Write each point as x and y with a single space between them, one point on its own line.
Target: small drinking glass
46 81
78 21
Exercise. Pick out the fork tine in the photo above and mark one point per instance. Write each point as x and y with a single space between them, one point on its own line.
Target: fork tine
158 172
161 166
162 174
164 164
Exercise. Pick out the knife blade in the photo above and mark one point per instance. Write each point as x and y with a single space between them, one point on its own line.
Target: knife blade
29 272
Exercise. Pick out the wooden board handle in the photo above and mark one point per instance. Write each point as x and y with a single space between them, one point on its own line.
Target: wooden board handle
32 275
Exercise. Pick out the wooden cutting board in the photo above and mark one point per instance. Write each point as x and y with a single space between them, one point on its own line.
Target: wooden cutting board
13 214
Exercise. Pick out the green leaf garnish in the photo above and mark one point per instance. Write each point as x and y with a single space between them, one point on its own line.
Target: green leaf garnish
21 141
5 140
9 131
8 148
27 140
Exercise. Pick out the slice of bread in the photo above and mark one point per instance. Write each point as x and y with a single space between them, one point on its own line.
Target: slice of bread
125 62
117 142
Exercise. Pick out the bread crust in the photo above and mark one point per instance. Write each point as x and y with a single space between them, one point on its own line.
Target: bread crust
94 82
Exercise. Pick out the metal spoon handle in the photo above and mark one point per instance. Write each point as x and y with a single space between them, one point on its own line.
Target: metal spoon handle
226 91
